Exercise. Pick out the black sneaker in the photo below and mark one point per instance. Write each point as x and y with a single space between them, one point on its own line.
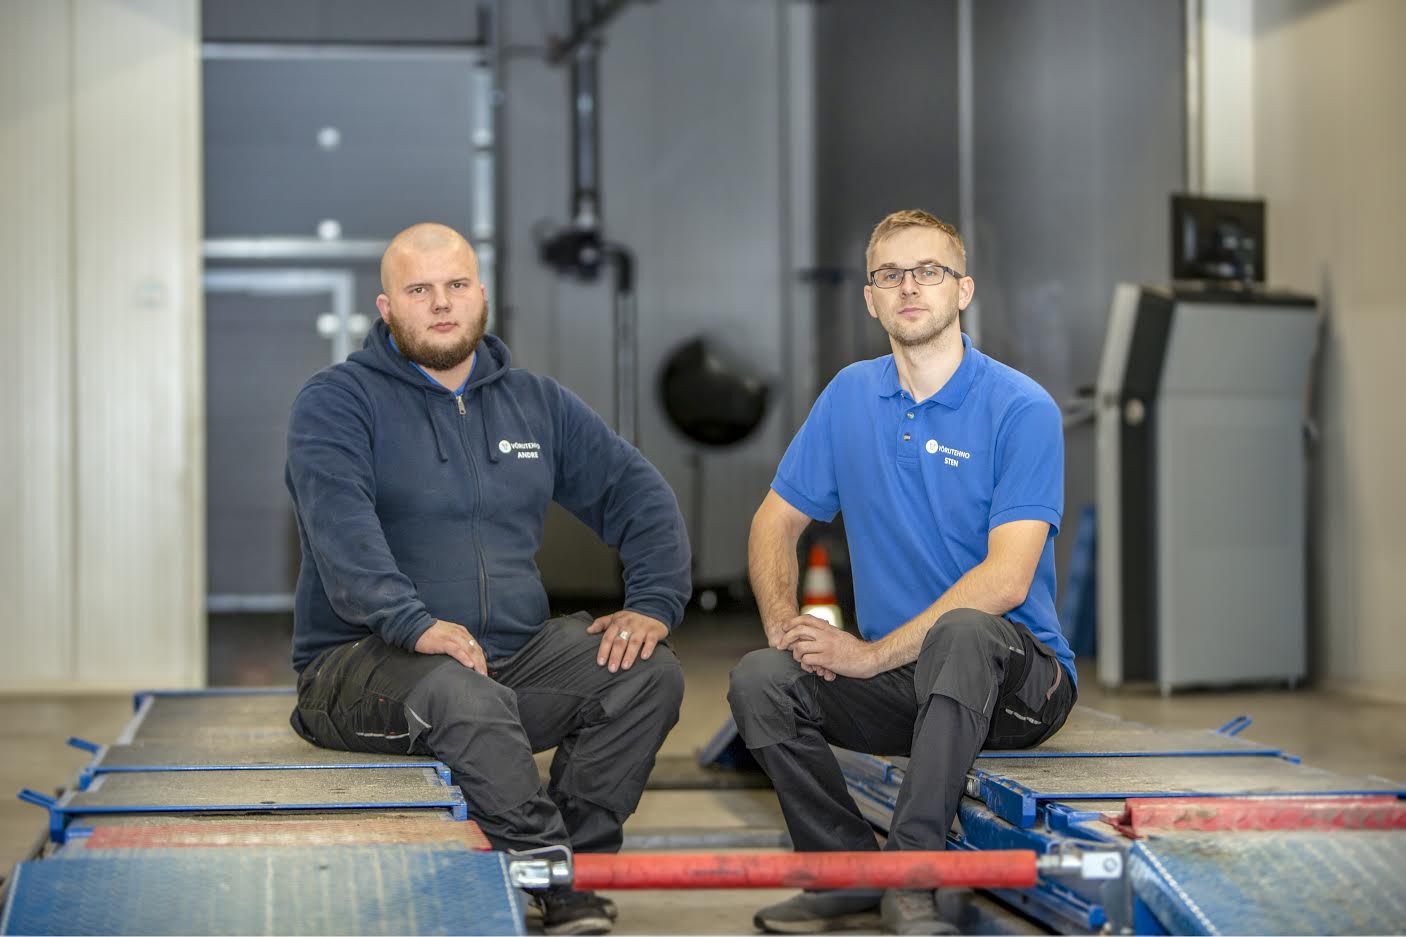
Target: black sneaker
910 911
565 911
816 912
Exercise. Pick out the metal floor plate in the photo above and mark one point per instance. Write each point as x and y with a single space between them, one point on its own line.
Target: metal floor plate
346 815
1220 883
259 789
282 750
393 889
193 716
1119 777
1015 788
1339 882
1089 733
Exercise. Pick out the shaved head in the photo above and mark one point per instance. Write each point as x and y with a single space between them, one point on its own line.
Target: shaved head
432 299
424 238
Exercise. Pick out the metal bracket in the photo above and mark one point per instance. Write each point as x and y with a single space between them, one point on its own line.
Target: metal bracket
541 868
1235 726
51 805
34 797
84 745
1088 864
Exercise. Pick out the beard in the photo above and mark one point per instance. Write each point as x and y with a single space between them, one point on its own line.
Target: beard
421 350
917 334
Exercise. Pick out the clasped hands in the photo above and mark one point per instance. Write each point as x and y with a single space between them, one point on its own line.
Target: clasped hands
822 649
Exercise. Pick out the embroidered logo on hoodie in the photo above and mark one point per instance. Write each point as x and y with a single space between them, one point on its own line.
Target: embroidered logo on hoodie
524 450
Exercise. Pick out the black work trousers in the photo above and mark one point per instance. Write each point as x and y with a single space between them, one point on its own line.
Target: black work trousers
979 681
607 727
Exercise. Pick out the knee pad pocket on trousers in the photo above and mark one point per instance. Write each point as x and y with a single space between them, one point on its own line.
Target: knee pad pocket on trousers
960 623
668 682
471 723
621 730
656 683
459 689
958 661
763 694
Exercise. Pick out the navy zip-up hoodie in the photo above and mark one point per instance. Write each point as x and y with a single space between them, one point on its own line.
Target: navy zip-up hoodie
414 504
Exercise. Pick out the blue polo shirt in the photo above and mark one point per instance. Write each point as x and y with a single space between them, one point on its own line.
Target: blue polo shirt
921 485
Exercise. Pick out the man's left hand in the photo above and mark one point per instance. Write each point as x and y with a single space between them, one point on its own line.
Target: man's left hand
823 648
626 636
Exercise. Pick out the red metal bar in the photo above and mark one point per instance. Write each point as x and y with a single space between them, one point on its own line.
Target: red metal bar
1229 814
1013 868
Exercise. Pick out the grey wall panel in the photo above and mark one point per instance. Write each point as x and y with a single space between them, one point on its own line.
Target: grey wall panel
554 326
340 20
1079 133
1079 139
536 304
885 139
259 351
692 162
403 155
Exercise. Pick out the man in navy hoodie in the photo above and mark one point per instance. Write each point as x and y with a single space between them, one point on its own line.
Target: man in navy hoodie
421 470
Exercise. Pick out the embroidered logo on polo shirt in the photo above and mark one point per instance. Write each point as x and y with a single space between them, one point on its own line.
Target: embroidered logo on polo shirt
524 450
949 455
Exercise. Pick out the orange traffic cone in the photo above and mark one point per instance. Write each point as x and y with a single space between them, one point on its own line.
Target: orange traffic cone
818 588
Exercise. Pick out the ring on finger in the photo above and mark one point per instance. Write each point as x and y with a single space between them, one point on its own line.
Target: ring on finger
623 635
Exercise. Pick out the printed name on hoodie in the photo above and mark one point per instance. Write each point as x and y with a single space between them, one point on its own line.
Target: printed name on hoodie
524 450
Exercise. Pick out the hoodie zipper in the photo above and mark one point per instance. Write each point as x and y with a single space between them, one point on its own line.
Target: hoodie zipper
478 543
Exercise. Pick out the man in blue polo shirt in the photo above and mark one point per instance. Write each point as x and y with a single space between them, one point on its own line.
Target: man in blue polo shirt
949 468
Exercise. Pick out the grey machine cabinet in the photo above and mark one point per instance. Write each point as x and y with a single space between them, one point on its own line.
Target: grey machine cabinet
1201 497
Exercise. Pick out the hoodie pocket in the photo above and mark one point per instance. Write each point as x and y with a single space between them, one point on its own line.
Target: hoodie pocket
455 600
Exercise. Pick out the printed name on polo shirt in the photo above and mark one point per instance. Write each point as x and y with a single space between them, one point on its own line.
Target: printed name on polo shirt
524 450
950 455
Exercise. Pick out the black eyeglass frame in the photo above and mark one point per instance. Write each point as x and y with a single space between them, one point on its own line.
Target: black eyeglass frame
904 271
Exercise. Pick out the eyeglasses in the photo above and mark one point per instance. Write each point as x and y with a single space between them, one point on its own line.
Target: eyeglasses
886 278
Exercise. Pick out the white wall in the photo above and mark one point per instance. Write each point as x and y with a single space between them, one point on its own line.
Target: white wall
1330 134
101 536
1308 114
1227 101
36 374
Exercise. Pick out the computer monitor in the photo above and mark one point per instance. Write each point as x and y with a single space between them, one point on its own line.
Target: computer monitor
1217 239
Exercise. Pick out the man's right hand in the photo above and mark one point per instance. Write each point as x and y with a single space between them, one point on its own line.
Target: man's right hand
445 637
776 628
775 631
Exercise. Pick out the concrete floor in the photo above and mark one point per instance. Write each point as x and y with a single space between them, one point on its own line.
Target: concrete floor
1345 734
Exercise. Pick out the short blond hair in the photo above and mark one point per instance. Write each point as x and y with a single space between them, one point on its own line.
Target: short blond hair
911 218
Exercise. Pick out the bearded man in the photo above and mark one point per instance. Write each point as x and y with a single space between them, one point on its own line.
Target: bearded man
949 469
421 470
